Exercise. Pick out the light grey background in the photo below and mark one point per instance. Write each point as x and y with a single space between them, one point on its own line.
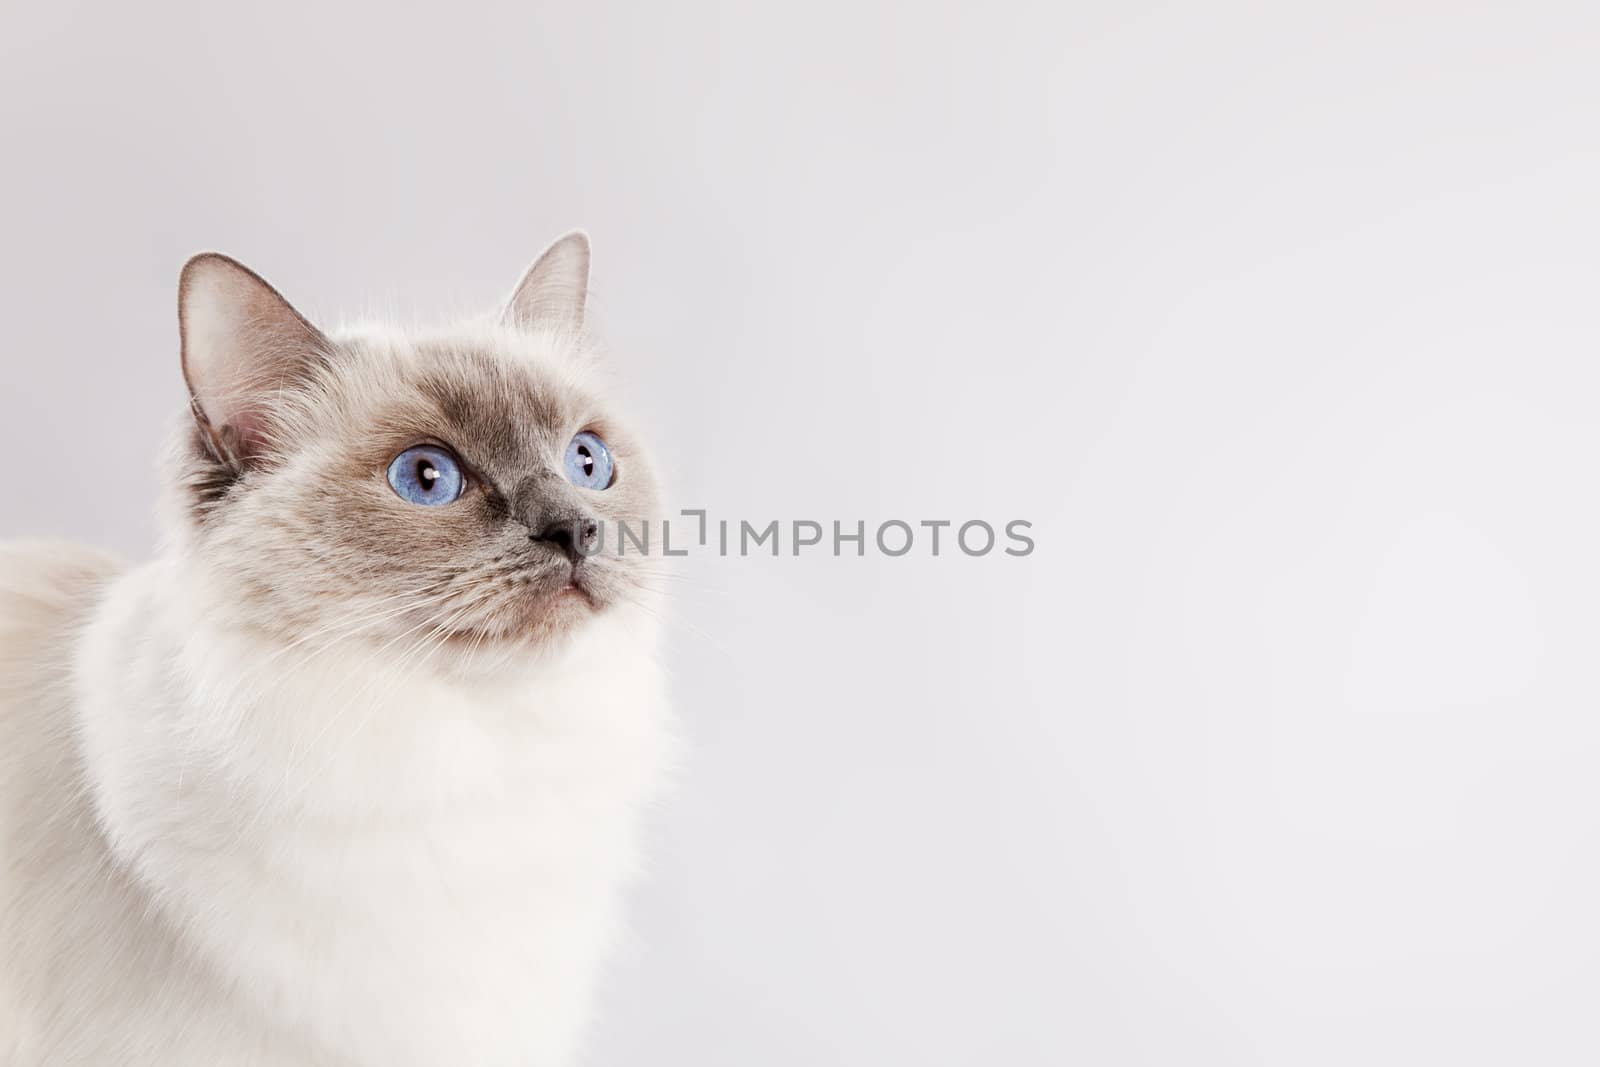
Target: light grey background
1278 320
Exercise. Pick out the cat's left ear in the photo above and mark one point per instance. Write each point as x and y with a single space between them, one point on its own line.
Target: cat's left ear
554 290
243 344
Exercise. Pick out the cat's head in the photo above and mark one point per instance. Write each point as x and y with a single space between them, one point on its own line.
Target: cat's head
416 490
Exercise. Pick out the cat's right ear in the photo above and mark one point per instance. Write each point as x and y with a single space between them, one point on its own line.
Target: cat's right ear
242 343
554 290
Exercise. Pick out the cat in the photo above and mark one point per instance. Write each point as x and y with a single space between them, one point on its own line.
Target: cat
349 774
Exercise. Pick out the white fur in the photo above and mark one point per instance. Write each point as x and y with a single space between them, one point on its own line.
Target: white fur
220 849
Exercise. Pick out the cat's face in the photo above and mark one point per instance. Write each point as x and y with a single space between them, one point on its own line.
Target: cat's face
460 491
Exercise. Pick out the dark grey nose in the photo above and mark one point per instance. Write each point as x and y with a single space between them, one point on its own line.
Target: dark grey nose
548 509
577 537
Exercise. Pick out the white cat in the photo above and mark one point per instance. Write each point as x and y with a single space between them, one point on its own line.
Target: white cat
349 774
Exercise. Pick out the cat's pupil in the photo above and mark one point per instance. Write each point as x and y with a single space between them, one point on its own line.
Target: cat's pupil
427 474
588 459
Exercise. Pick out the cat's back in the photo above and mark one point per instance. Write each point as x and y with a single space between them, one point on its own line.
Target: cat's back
47 593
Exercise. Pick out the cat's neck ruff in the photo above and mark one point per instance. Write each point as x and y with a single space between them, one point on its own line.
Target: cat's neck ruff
432 849
356 725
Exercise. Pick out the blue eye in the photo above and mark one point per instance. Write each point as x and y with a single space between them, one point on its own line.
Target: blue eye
426 475
588 462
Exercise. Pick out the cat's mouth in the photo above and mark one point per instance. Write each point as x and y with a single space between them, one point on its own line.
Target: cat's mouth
561 601
544 609
578 588
580 597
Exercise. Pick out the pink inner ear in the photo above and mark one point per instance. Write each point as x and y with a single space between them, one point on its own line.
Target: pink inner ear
245 434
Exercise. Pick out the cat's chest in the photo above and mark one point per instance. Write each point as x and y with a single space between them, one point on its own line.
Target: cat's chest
438 839
478 886
447 883
476 925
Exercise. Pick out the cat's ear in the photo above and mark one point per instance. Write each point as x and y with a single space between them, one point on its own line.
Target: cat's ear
242 343
555 289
